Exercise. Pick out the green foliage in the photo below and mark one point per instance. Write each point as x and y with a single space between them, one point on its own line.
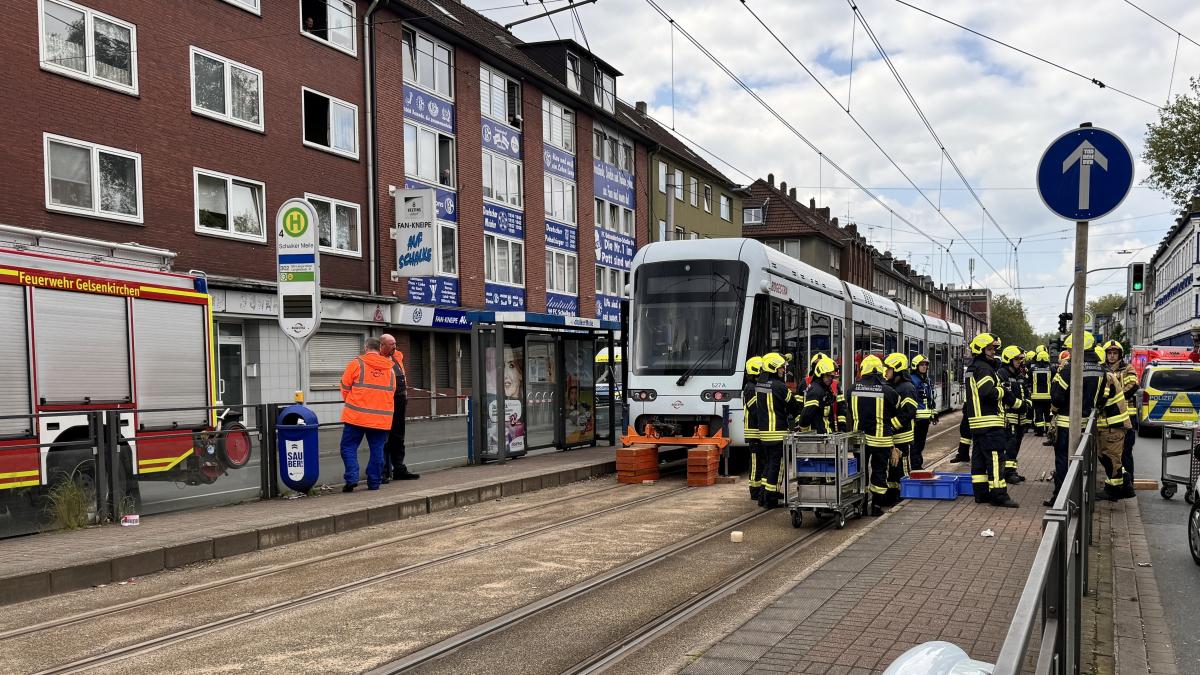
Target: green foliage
70 501
1011 324
1106 304
1173 148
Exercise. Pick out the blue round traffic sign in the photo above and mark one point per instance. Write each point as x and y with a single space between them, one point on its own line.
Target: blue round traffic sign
1085 174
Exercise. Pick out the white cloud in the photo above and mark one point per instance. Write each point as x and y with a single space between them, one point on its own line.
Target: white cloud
995 110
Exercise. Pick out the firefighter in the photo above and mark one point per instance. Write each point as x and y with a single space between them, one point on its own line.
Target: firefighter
812 366
1115 361
872 406
818 414
749 420
896 373
774 406
1040 376
393 452
1112 423
985 406
1009 377
1060 398
1027 387
368 389
926 410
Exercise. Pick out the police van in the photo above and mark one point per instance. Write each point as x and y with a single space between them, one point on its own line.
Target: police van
1170 394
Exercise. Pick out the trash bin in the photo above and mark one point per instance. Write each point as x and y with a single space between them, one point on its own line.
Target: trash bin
299 460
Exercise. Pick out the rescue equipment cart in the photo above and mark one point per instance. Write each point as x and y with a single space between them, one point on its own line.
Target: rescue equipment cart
826 474
1191 432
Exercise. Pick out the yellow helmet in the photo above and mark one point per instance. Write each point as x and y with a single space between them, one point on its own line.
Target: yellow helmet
1099 352
1113 344
754 365
871 364
1043 356
1042 349
982 342
918 360
1089 341
1011 352
823 367
816 357
1029 355
773 361
896 361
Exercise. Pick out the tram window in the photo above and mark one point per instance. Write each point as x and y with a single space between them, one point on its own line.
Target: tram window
757 345
890 342
795 338
776 343
835 344
819 335
878 346
862 342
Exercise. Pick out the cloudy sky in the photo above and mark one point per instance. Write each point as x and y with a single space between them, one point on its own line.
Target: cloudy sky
994 109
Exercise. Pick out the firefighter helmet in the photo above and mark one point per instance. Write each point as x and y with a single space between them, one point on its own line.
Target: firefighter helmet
871 364
1113 344
754 365
1043 356
1064 355
824 366
1011 352
1089 341
896 361
773 362
918 360
982 342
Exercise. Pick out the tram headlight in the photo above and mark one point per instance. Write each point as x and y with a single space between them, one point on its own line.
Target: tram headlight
642 394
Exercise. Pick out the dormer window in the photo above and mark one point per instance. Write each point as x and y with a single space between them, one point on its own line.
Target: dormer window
574 74
606 91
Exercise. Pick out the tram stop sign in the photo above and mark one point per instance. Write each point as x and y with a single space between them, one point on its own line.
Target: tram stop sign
1085 174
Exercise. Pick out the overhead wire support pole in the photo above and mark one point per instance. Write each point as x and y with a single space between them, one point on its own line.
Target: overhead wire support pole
579 3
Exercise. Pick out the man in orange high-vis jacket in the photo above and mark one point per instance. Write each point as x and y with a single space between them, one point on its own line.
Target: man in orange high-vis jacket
368 387
393 452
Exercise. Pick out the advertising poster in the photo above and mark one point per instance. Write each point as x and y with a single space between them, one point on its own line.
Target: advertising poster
514 417
581 396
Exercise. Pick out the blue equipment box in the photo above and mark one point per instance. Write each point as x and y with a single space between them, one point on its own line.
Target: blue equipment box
822 465
939 487
963 480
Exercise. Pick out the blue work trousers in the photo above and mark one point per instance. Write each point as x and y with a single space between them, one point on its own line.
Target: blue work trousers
352 436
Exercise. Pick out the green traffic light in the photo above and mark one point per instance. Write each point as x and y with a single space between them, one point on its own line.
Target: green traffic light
1137 287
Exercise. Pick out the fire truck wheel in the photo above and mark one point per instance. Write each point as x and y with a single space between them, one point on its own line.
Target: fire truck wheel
235 447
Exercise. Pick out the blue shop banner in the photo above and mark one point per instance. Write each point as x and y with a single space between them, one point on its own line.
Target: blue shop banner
423 107
562 305
563 237
614 250
558 162
500 297
613 183
447 201
433 290
608 308
505 221
501 138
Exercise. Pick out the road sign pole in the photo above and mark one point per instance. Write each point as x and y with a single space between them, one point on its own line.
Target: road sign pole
1077 350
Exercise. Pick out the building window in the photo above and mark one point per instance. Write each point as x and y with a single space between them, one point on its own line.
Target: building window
752 216
679 184
428 155
499 97
92 180
662 230
226 90
427 63
82 43
560 199
337 225
693 235
662 177
329 123
708 199
606 91
562 272
835 259
574 74
331 22
503 260
627 221
229 206
626 158
611 281
599 209
558 125
725 208
502 179
447 248
248 5
693 191
679 233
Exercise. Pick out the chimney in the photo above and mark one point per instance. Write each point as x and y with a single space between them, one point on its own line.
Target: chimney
852 228
771 179
824 212
783 186
640 106
834 222
812 202
792 194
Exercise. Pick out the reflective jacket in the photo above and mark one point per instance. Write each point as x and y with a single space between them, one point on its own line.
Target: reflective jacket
906 411
1113 409
774 405
1129 382
817 414
1013 385
1060 392
926 404
749 421
984 405
1041 374
871 409
368 387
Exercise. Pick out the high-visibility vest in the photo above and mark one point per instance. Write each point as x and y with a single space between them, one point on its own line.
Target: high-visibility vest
368 387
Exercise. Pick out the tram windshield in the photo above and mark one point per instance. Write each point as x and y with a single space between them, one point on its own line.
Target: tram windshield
688 315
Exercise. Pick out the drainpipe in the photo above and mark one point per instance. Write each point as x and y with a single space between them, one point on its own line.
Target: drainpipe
369 106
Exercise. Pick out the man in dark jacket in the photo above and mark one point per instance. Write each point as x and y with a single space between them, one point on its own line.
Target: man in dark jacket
926 409
985 407
1060 398
774 405
871 409
817 414
896 374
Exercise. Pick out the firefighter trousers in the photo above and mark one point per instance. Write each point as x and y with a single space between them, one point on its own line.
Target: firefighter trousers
920 435
895 473
1061 455
757 464
987 464
964 437
1041 417
772 477
1127 455
1118 484
878 486
1016 432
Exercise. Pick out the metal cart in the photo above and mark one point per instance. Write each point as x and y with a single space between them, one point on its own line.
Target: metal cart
819 479
1191 432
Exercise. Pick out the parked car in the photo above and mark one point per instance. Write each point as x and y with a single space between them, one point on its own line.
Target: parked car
1170 395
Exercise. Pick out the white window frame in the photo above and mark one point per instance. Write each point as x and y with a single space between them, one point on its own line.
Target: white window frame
231 234
693 191
449 95
437 249
333 204
578 83
508 104
627 225
507 203
228 117
679 184
94 149
746 210
662 177
552 256
726 208
510 242
353 50
411 172
570 212
328 148
708 199
89 48
256 9
605 96
556 114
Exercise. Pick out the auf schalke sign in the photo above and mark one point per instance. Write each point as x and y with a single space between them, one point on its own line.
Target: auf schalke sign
1085 174
415 210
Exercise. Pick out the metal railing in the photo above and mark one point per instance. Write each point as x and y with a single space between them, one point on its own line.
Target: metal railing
1059 577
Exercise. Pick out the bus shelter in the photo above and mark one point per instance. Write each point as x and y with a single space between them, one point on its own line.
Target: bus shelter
534 383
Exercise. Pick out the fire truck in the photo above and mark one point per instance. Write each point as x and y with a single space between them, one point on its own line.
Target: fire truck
89 326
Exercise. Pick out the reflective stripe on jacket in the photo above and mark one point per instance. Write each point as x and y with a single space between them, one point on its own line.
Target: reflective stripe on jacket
872 406
983 407
925 397
368 389
906 412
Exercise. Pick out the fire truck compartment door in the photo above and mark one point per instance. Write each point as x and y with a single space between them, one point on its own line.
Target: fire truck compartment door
82 347
170 359
14 362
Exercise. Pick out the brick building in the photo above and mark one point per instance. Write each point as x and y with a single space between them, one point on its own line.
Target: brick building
773 215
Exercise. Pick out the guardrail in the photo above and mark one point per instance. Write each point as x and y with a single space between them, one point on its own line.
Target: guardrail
1059 577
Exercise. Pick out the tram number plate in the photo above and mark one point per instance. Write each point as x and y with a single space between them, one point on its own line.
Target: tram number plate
1183 411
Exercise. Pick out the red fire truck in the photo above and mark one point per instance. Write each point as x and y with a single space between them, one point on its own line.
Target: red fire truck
82 331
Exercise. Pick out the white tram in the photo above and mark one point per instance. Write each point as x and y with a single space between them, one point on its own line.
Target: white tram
700 308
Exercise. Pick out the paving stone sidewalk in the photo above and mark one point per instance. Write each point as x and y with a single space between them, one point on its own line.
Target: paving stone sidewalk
922 573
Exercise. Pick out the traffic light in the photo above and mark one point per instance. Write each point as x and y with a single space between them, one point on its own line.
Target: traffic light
1137 278
1062 321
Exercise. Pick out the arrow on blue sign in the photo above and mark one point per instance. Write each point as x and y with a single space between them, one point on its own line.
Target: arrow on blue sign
1066 180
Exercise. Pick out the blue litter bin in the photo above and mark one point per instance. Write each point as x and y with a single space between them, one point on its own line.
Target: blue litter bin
299 459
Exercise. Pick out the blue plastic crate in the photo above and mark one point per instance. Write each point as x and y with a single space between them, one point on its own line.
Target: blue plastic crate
939 487
813 465
963 480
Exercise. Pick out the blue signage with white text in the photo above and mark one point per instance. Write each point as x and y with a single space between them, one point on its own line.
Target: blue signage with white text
502 220
613 183
608 308
433 290
560 236
423 107
501 297
615 250
447 201
501 138
562 305
558 162
1085 174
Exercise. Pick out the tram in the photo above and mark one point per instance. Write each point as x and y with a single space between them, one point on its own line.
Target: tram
700 308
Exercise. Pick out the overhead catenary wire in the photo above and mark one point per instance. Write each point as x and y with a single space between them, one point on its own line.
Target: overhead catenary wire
1164 24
